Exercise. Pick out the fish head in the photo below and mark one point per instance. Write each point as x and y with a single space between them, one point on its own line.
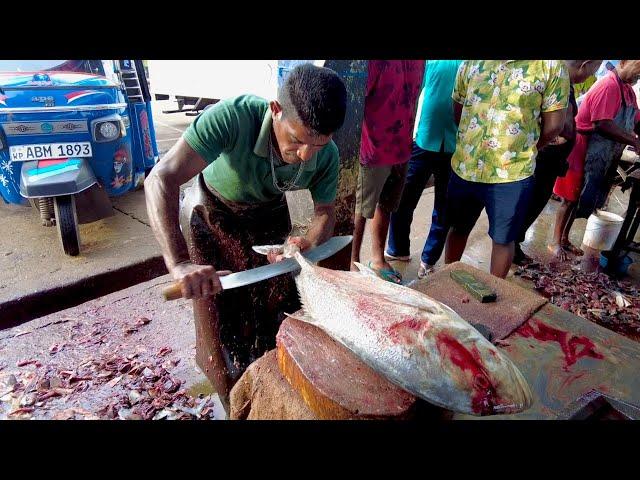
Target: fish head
502 389
489 381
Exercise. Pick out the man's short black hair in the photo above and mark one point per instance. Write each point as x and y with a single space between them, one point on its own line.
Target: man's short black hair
315 95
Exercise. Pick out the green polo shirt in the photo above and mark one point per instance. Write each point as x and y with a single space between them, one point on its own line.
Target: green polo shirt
233 138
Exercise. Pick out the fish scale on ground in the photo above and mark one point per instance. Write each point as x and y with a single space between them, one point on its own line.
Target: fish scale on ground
414 341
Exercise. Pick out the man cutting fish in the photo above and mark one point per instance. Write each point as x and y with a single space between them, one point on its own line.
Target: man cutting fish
246 152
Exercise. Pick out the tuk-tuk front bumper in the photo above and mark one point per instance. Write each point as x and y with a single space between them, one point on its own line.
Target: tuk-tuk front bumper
52 178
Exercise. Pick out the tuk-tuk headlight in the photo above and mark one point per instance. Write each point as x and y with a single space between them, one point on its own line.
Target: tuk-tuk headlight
108 130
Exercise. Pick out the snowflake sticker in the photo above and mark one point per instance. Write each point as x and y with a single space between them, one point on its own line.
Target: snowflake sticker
7 166
4 181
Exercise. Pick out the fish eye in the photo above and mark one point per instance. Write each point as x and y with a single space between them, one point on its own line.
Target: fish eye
481 382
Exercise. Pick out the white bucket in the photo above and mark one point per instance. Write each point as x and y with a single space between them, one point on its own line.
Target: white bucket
602 230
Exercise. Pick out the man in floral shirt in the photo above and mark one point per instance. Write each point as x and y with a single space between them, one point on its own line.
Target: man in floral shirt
506 110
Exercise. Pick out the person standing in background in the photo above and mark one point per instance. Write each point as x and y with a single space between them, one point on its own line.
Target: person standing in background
393 87
507 110
608 119
433 146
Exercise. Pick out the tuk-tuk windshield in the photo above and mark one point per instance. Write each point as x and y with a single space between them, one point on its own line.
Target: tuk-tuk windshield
93 67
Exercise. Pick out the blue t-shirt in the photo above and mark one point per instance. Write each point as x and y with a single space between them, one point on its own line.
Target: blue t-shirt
436 122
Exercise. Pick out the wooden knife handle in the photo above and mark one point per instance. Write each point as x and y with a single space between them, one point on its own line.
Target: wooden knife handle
172 292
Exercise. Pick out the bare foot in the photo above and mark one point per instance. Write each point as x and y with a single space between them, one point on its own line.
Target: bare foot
558 252
569 247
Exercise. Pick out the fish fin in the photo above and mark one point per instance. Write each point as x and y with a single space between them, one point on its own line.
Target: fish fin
303 317
265 249
366 271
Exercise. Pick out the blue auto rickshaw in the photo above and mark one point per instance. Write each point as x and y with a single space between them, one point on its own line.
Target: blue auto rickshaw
72 134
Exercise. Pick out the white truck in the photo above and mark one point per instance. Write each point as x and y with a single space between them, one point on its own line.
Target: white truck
199 83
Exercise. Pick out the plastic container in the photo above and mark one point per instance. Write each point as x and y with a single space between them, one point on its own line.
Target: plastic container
602 230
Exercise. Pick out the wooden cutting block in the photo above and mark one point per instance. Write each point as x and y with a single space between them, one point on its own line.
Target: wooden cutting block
333 382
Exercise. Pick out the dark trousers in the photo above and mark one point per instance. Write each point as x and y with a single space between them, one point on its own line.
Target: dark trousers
422 165
549 165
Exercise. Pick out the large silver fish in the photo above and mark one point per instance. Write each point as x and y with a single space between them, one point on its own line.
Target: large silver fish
414 341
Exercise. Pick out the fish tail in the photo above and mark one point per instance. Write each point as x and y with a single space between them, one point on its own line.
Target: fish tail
366 271
303 316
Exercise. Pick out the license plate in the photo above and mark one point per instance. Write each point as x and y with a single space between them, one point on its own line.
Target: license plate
46 151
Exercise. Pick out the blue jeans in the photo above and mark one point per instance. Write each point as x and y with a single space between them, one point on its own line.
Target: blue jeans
422 165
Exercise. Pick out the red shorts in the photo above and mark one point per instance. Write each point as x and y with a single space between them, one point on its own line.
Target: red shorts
570 186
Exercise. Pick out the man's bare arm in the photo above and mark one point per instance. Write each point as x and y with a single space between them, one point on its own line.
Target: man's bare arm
162 192
320 230
608 129
552 125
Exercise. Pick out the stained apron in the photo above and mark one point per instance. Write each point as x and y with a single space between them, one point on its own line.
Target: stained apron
237 326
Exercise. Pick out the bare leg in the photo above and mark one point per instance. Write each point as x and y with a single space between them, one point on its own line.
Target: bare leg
564 242
565 212
356 244
379 229
454 248
501 258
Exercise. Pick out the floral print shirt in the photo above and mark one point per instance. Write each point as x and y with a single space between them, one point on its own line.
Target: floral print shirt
501 116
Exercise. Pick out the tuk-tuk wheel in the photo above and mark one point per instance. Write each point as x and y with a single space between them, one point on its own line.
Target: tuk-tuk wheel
67 224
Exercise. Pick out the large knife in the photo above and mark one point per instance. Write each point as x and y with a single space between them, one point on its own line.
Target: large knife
247 277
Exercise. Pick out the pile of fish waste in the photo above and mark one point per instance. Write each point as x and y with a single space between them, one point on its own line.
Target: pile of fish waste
611 303
132 388
123 381
414 341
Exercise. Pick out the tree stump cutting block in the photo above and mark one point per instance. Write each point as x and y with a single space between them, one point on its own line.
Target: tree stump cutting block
333 382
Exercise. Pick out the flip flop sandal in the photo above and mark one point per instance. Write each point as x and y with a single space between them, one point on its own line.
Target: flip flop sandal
390 275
